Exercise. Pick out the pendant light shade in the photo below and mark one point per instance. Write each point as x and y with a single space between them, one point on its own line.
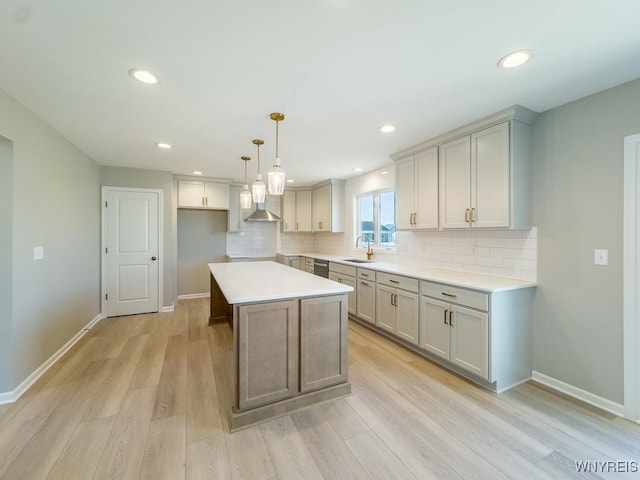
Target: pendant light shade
245 194
276 176
258 189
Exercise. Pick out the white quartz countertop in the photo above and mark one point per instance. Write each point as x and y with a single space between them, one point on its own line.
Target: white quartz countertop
248 282
484 283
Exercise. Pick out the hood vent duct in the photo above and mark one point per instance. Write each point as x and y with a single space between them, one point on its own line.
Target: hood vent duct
262 215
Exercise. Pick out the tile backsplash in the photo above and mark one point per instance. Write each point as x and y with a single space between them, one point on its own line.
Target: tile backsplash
503 253
257 239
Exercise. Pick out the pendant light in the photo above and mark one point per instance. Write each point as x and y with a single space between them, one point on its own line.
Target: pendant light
276 175
258 188
245 194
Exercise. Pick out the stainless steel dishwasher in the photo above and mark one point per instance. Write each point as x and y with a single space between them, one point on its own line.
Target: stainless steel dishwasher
321 268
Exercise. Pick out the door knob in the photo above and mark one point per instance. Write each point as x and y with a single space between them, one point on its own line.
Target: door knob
153 258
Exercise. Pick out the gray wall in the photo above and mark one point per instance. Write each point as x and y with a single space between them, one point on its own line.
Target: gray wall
56 199
6 260
201 240
159 180
578 206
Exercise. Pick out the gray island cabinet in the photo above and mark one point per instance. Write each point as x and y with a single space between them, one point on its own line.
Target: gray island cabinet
289 337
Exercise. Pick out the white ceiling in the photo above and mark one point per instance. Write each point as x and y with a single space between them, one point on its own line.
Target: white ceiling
338 70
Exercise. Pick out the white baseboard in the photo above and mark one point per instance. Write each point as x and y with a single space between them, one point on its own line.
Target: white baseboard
579 394
166 309
187 296
10 397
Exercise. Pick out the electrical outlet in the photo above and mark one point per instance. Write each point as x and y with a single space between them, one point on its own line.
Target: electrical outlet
601 256
38 253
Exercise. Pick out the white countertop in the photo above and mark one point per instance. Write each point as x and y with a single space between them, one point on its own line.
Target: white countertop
247 282
484 283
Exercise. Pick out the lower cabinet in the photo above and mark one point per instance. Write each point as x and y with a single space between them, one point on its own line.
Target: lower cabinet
397 312
267 352
455 333
323 342
366 295
288 348
347 280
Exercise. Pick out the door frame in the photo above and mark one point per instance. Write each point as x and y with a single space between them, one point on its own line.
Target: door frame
631 277
103 255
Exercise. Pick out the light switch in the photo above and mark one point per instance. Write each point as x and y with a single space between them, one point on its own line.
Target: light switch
38 253
601 257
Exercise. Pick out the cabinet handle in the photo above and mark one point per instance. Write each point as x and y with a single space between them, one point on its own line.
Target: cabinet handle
473 215
297 227
445 317
451 317
364 274
396 295
202 201
467 215
365 284
391 300
452 295
411 219
339 280
415 218
206 201
393 281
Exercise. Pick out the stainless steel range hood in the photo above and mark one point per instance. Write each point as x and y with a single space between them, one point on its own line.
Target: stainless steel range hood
262 215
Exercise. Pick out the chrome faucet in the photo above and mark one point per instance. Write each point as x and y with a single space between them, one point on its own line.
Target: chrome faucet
369 251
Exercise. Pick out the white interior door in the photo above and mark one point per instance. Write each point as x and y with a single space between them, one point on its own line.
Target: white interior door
132 251
631 273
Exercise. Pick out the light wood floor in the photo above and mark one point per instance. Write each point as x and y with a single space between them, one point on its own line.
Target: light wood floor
145 397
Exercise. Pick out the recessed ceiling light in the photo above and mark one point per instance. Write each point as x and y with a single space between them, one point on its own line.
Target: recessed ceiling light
357 169
384 172
515 59
290 180
144 76
166 146
387 128
197 172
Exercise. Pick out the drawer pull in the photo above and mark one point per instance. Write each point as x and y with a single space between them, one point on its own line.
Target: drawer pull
452 295
365 284
393 281
364 274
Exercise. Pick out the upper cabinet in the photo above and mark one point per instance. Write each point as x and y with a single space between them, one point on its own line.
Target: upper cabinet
199 194
475 181
483 176
417 191
328 206
296 211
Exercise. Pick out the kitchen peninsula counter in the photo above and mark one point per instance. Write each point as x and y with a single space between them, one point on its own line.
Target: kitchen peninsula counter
289 337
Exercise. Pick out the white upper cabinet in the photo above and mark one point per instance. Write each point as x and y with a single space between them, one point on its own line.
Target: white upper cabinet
483 172
328 207
198 194
296 211
303 211
475 180
417 191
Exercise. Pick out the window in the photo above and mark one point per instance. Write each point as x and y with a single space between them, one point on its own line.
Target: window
377 218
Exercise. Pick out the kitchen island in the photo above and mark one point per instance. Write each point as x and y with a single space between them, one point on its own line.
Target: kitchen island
289 337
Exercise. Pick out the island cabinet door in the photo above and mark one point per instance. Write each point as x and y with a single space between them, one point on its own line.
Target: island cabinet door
323 342
267 353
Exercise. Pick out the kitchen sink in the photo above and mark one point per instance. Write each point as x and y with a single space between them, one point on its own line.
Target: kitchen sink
357 260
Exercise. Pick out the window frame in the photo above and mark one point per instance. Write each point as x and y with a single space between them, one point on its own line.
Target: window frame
375 245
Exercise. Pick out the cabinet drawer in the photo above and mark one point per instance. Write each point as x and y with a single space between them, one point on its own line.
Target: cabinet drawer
308 261
344 269
398 281
366 274
461 296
